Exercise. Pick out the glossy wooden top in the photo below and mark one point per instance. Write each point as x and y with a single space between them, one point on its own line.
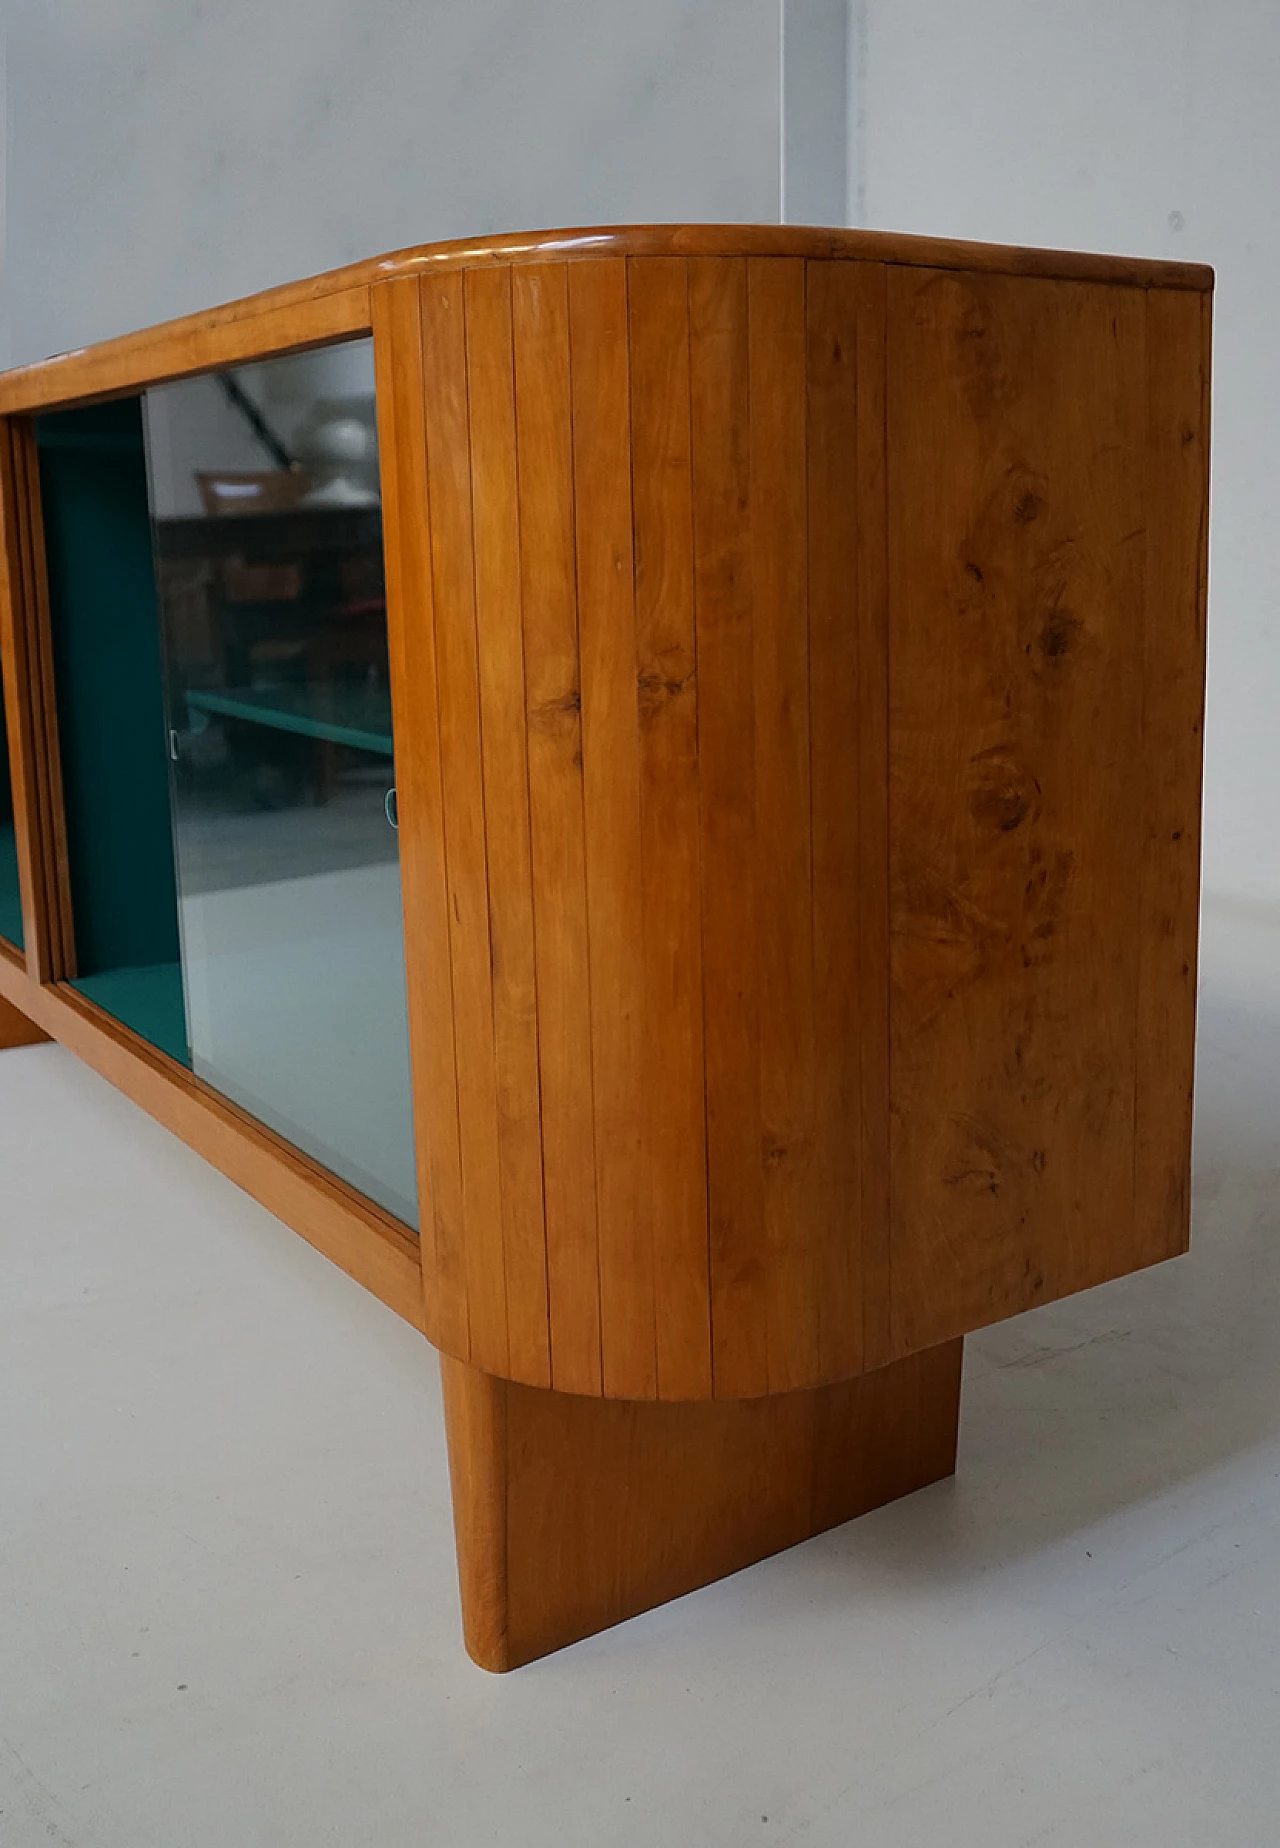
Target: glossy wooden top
336 304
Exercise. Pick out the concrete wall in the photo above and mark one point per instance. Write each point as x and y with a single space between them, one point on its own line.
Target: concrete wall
167 154
1148 126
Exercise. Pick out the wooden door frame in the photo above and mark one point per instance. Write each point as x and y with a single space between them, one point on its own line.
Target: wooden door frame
371 1245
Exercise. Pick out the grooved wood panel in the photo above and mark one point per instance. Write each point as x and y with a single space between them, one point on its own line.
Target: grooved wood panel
466 869
872 629
817 654
553 692
598 322
656 745
496 515
666 680
721 436
612 821
572 1514
797 653
1018 539
845 331
397 330
786 1168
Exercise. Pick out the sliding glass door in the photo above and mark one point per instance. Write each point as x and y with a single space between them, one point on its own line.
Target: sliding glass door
267 535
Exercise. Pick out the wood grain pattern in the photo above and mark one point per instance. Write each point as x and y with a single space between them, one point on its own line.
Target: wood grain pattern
55 942
720 406
328 306
290 319
832 588
572 1513
397 342
1017 432
698 972
611 808
24 771
869 289
362 1240
685 683
548 572
797 655
786 1161
1173 665
666 669
844 775
499 625
462 774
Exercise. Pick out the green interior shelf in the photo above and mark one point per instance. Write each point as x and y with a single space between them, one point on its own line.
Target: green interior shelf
146 999
111 717
331 714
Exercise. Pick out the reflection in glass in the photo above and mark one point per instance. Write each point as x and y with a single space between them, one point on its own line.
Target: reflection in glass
10 899
268 556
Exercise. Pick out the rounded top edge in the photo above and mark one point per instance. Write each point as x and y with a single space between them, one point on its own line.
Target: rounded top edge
335 303
574 243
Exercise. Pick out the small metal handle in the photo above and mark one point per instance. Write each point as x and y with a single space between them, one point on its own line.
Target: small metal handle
391 808
174 747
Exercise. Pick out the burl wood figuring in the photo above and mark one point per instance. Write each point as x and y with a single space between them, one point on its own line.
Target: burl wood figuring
797 646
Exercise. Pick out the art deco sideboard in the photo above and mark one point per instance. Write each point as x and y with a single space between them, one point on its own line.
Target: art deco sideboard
641 789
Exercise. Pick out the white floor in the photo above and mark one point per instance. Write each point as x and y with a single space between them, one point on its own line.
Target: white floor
227 1605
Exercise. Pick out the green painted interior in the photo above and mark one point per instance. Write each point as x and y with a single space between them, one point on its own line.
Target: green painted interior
10 898
147 999
111 713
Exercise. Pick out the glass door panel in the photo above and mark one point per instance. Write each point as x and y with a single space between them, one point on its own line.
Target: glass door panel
268 555
10 897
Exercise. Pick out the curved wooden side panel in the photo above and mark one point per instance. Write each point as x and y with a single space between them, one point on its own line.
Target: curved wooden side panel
735 594
640 655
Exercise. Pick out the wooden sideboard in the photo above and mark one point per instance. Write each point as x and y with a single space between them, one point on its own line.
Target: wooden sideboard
796 654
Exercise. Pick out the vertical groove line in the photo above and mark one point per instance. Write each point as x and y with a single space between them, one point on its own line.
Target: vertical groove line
528 816
1145 822
641 1066
484 794
808 683
697 835
582 786
390 424
882 540
444 834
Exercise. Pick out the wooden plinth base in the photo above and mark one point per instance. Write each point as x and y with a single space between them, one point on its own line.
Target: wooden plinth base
16 1029
573 1513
